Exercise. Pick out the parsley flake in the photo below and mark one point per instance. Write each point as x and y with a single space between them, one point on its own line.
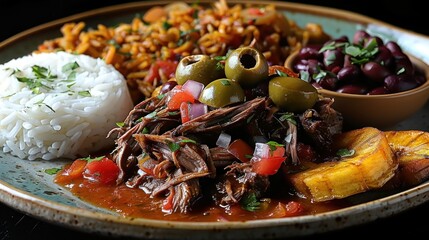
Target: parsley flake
84 93
188 141
173 146
69 67
345 152
89 159
288 117
52 171
225 82
250 203
151 115
273 145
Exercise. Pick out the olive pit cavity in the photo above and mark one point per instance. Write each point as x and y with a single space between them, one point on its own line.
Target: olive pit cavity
248 61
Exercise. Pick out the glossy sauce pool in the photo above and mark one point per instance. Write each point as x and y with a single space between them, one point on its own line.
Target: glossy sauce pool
134 202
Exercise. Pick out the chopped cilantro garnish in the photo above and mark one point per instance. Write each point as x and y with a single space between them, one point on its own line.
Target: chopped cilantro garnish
173 146
84 93
225 82
288 117
42 78
151 115
69 67
304 75
188 141
160 96
345 152
220 62
89 159
52 171
166 25
145 130
250 203
330 58
174 113
281 74
273 145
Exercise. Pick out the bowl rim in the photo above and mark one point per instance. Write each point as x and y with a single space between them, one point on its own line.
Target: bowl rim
416 62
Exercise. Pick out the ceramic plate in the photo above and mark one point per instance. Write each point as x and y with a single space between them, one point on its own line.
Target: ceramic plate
25 186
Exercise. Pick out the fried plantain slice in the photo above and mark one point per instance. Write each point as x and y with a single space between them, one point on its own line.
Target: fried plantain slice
370 167
411 148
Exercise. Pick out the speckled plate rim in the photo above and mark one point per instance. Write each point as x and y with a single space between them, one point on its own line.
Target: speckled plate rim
106 224
111 225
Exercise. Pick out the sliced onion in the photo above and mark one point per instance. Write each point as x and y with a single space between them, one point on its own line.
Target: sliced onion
262 150
223 140
193 87
197 109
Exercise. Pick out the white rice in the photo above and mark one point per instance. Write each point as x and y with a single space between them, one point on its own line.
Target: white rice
62 120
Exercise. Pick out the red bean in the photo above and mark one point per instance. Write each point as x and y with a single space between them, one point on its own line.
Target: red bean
310 52
347 61
353 89
404 65
349 74
300 65
375 71
388 70
333 58
378 91
359 37
314 66
399 83
393 47
328 82
384 56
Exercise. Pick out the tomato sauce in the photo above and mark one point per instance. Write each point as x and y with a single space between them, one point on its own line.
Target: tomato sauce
134 202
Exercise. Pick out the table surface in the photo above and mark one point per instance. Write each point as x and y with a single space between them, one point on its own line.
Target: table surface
17 225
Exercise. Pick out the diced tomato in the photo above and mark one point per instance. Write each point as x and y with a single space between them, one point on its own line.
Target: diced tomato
74 171
273 70
184 112
294 208
267 166
279 152
290 209
241 150
103 171
166 66
177 98
167 204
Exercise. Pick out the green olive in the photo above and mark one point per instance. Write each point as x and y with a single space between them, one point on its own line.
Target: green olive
222 92
247 66
200 68
292 94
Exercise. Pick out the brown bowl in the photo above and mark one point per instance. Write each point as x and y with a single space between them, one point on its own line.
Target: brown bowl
380 111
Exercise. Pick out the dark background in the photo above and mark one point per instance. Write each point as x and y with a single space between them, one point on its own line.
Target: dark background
20 15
